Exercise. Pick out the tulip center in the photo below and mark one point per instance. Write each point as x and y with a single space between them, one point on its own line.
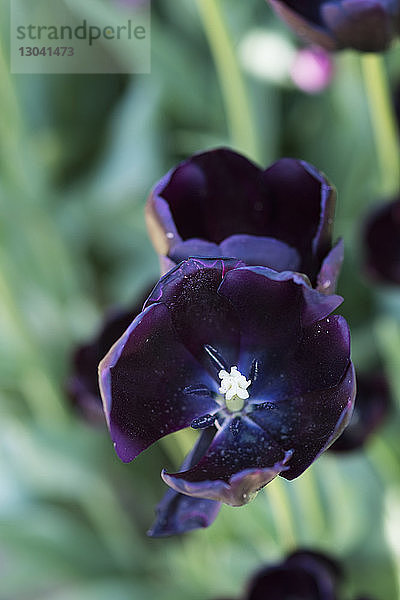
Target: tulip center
234 387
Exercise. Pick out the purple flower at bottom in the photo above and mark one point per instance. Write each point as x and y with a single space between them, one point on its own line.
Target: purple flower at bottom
218 203
304 575
382 243
371 408
245 353
365 25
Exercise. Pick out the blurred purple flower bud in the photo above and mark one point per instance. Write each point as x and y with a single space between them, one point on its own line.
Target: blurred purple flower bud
312 70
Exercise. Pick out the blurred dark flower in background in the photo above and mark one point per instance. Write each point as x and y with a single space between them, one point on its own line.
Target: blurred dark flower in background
220 204
381 240
303 575
247 354
365 25
371 408
83 382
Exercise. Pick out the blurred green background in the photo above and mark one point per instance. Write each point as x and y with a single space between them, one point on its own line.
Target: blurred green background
78 155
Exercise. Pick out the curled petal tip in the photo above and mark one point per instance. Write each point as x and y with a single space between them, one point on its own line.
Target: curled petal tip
241 488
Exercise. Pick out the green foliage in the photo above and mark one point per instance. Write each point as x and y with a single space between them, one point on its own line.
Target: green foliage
78 155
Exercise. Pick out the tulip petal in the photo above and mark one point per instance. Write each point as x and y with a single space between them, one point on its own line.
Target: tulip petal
241 460
372 406
296 188
308 423
215 194
143 380
330 270
178 513
194 247
264 251
272 308
83 382
200 316
304 575
365 25
322 356
305 19
220 197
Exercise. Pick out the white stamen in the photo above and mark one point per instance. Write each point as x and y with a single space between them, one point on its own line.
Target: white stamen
234 386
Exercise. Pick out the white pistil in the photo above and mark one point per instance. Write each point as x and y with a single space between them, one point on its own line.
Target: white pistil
234 386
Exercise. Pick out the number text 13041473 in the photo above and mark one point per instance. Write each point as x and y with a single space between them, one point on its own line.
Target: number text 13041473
46 51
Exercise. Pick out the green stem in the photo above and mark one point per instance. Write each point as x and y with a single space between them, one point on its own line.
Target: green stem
283 516
383 122
384 460
10 127
310 503
110 522
344 525
238 111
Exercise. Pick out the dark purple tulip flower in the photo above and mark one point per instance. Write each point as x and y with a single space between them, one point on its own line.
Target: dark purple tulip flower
219 204
372 406
365 25
382 243
248 355
303 575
